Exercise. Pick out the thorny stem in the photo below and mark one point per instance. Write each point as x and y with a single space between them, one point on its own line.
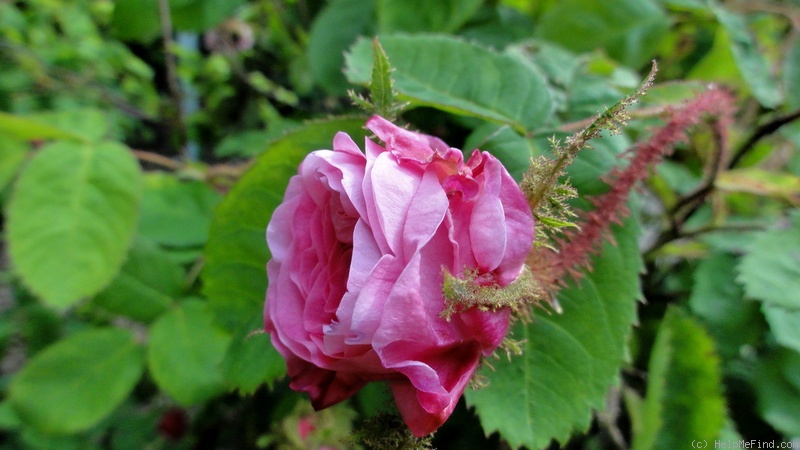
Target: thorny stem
653 111
610 119
577 246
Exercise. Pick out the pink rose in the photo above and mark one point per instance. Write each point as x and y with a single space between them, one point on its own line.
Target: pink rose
359 247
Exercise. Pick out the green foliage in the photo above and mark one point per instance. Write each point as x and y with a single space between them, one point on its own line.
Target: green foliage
95 370
139 20
12 155
252 361
175 212
628 30
771 274
128 288
32 128
569 360
185 351
684 394
234 275
503 142
445 16
146 286
778 389
382 95
69 231
504 90
748 57
334 30
718 300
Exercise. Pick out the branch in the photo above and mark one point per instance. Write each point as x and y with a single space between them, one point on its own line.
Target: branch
72 81
170 62
762 132
159 160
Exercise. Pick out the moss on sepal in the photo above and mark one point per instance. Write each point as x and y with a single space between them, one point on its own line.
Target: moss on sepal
388 432
469 290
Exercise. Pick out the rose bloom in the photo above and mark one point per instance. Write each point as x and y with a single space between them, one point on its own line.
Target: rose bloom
359 249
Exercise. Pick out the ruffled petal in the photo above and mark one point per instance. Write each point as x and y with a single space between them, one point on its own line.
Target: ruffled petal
406 145
487 225
393 188
324 387
435 385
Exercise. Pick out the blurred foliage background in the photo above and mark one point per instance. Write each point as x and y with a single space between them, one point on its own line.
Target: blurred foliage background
144 144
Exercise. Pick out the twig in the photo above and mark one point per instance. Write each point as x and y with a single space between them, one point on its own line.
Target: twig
762 132
228 170
721 228
159 160
170 62
72 81
750 6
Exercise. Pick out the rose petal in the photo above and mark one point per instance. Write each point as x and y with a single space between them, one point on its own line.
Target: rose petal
406 145
434 387
425 214
393 188
488 223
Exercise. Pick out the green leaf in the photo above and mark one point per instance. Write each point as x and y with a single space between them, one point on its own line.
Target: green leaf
252 361
234 276
779 392
72 217
12 154
8 418
718 299
201 15
630 31
381 86
72 385
750 60
175 212
147 285
791 74
29 128
758 181
185 352
85 123
139 20
444 16
587 171
785 325
335 28
136 20
718 64
245 144
570 360
684 399
770 272
429 68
